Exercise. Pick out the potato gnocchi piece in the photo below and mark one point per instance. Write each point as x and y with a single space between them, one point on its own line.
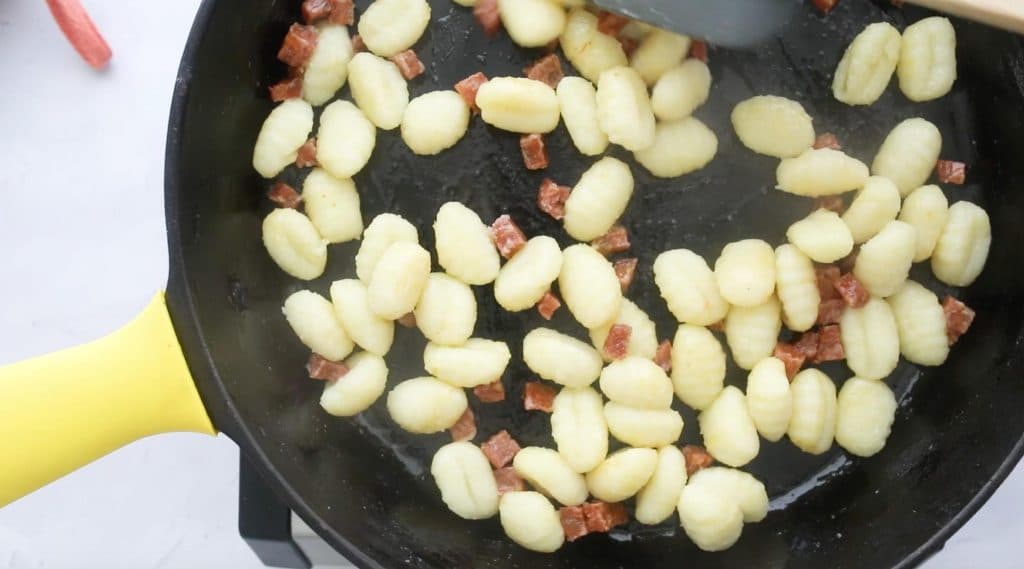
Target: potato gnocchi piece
689 287
926 209
749 492
384 231
908 154
518 104
560 358
577 100
867 66
426 405
658 499
345 139
876 204
622 474
624 109
378 89
532 23
698 366
927 68
679 147
636 382
398 280
551 475
599 199
525 278
332 204
446 311
768 398
681 90
294 244
921 323
821 172
589 287
352 307
963 245
753 331
711 520
464 246
865 413
476 362
587 49
312 318
434 122
813 424
641 428
327 69
389 27
361 387
579 428
283 132
728 430
463 475
745 272
773 126
658 52
870 339
884 261
530 520
797 286
643 337
822 236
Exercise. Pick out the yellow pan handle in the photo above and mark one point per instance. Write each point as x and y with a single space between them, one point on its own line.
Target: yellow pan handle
63 410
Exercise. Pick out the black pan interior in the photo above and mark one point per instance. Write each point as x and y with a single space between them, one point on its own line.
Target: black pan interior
364 484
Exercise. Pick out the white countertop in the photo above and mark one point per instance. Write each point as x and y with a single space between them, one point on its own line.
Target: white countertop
82 223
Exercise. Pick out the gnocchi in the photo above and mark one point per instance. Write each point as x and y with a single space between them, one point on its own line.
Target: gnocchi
689 287
681 90
745 272
464 246
560 358
813 424
658 52
822 236
434 122
389 27
352 307
283 132
577 100
551 475
659 497
398 280
384 231
963 245
463 475
698 366
624 109
528 274
530 520
876 204
587 49
518 104
327 69
921 323
426 405
926 209
589 287
294 244
728 430
865 413
753 331
884 261
643 427
363 384
679 147
711 520
476 362
870 339
599 199
908 154
345 139
312 318
332 204
927 67
579 428
532 23
446 311
867 65
636 382
749 492
622 474
643 338
768 398
379 90
821 172
774 126
797 286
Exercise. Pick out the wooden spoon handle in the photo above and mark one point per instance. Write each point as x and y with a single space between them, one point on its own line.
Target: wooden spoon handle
1006 14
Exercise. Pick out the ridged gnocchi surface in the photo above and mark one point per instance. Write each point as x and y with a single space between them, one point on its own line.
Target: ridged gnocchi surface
768 398
711 520
327 69
643 337
434 122
658 52
868 64
425 405
532 23
476 362
749 493
378 89
698 366
283 132
796 285
821 172
463 475
624 109
294 244
688 286
679 147
865 414
622 474
360 388
651 428
352 306
560 358
870 339
774 126
384 231
389 27
660 496
464 246
398 280
921 323
551 475
345 139
589 287
681 90
332 204
752 332
745 272
587 49
599 199
813 424
577 100
963 245
637 382
579 428
822 236
884 261
530 520
728 430
312 318
528 274
927 68
446 311
518 104
876 204
926 209
908 154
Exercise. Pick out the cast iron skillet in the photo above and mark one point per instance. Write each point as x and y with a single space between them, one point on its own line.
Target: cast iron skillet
365 486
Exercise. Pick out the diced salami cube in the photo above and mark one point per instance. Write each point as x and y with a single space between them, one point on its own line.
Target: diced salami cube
663 356
490 393
409 64
791 356
465 428
852 291
535 153
343 12
574 523
500 449
538 397
407 321
548 305
808 345
323 369
697 458
958 318
285 89
950 172
486 13
315 10
625 270
551 198
831 311
306 156
831 203
699 50
508 480
547 69
615 241
827 140
611 24
507 236
629 45
827 277
830 345
825 6
298 45
602 516
616 344
284 196
468 87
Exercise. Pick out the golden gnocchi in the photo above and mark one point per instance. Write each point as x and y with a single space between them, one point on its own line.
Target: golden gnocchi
774 126
884 261
651 428
283 132
796 285
464 246
926 209
921 323
589 287
332 204
636 382
813 423
360 388
476 362
870 339
398 280
659 497
577 100
532 23
327 69
768 398
728 430
518 104
711 520
624 109
822 236
821 172
681 90
698 366
446 311
599 199
530 520
579 428
345 139
908 154
560 358
294 244
865 413
551 475
658 52
426 405
876 204
748 492
434 122
587 49
389 27
384 231
643 337
689 287
868 64
753 331
352 306
528 274
745 272
312 318
927 68
463 475
378 89
622 474
679 147
963 245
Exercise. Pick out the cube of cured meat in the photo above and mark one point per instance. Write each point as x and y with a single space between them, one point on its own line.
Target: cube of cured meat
830 311
808 345
486 13
507 236
615 241
468 87
490 393
551 198
610 23
827 140
315 10
699 50
602 516
465 428
306 156
827 277
625 270
958 318
697 458
508 480
548 305
825 6
409 64
535 153
547 69
663 356
616 344
321 368
792 357
950 172
574 523
852 291
538 397
298 45
343 12
830 345
284 195
500 449
285 89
